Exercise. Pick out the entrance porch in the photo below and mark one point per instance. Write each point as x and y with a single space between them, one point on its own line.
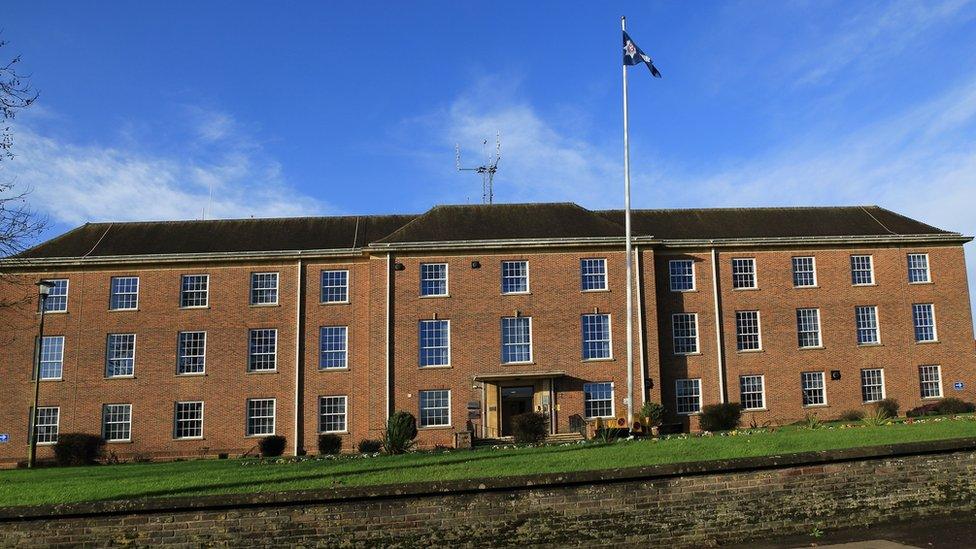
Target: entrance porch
508 395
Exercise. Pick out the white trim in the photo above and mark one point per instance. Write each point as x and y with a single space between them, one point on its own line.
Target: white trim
677 396
345 349
694 275
870 257
274 417
606 274
877 328
447 279
277 289
251 369
755 273
420 345
813 263
938 370
583 337
176 419
345 415
108 338
528 278
321 287
531 352
762 392
613 400
928 268
720 354
112 294
935 330
758 331
823 388
450 404
883 391
207 293
819 332
674 337
129 439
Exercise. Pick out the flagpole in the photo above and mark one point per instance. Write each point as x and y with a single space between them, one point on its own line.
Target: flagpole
630 269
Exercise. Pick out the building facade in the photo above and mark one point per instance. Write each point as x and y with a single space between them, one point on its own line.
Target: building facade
200 337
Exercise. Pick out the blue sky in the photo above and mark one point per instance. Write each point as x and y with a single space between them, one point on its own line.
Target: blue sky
329 108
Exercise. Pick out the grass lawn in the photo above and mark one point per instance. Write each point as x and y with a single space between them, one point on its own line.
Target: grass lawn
188 478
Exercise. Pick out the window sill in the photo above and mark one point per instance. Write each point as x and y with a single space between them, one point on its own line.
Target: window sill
748 351
751 289
437 367
692 291
932 398
932 342
608 359
263 305
435 427
46 443
516 293
120 377
433 296
192 308
122 310
53 313
193 374
603 290
696 353
333 432
864 285
817 348
182 439
920 283
260 436
689 414
594 418
814 287
343 369
870 345
261 372
346 302
755 409
816 406
129 441
529 363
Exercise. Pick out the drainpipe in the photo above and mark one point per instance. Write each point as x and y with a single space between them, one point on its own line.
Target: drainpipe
389 316
718 328
640 325
299 353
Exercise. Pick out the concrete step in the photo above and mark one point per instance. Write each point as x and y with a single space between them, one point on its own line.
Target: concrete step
558 438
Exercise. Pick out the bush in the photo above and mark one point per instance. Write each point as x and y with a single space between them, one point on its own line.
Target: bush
367 446
953 405
889 405
78 449
531 427
272 446
330 444
401 429
653 412
720 417
878 418
852 415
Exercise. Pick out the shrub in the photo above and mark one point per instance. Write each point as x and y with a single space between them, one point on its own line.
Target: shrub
720 417
923 410
330 444
852 415
531 427
811 421
401 429
878 418
78 449
272 446
889 405
367 446
953 405
653 412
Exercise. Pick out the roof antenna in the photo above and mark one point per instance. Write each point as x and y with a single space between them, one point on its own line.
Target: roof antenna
487 170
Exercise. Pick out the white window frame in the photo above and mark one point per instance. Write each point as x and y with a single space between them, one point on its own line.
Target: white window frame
922 381
184 291
421 347
252 289
177 420
916 326
927 268
180 355
344 414
761 392
804 389
671 275
605 276
680 394
504 344
59 361
108 358
47 301
112 293
446 279
251 354
613 407
43 440
105 422
675 338
813 270
737 263
858 329
323 286
344 351
865 385
420 409
609 340
248 417
855 269
758 333
800 332
527 277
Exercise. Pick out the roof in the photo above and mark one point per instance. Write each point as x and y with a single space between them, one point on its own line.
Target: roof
471 223
721 223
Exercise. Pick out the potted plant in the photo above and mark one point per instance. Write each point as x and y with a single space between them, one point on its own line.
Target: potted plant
653 414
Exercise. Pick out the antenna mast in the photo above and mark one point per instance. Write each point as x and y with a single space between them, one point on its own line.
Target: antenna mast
487 170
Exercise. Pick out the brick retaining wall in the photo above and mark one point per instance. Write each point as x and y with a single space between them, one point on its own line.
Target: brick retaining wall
704 503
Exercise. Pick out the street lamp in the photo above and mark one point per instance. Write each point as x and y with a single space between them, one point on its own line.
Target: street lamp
43 290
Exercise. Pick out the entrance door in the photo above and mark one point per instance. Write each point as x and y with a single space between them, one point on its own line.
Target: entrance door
515 401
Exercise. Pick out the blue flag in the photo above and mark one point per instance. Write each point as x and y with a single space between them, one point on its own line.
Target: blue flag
633 55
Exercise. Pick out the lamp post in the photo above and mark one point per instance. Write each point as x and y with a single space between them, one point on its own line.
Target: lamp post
43 290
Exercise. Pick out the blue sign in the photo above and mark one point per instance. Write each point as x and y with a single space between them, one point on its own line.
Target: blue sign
4 437
958 385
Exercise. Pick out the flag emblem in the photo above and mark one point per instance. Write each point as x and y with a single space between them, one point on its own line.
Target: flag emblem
633 55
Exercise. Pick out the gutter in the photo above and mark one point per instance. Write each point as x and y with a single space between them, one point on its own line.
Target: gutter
954 238
29 263
718 329
389 340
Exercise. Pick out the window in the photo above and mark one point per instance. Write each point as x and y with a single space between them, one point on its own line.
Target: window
804 272
682 274
516 339
52 357
918 268
46 429
872 385
812 384
752 392
435 343
264 288
862 270
596 337
867 325
120 355
194 291
333 347
594 274
335 287
435 408
744 273
332 414
930 381
260 416
598 400
117 422
923 314
515 277
684 328
263 350
125 293
57 297
687 396
433 279
188 420
192 351
747 331
808 328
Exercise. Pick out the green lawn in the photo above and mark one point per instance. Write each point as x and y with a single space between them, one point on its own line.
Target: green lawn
156 480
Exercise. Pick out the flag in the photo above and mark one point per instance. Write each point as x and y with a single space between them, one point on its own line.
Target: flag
633 55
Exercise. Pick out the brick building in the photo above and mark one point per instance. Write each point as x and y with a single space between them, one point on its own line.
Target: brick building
198 337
